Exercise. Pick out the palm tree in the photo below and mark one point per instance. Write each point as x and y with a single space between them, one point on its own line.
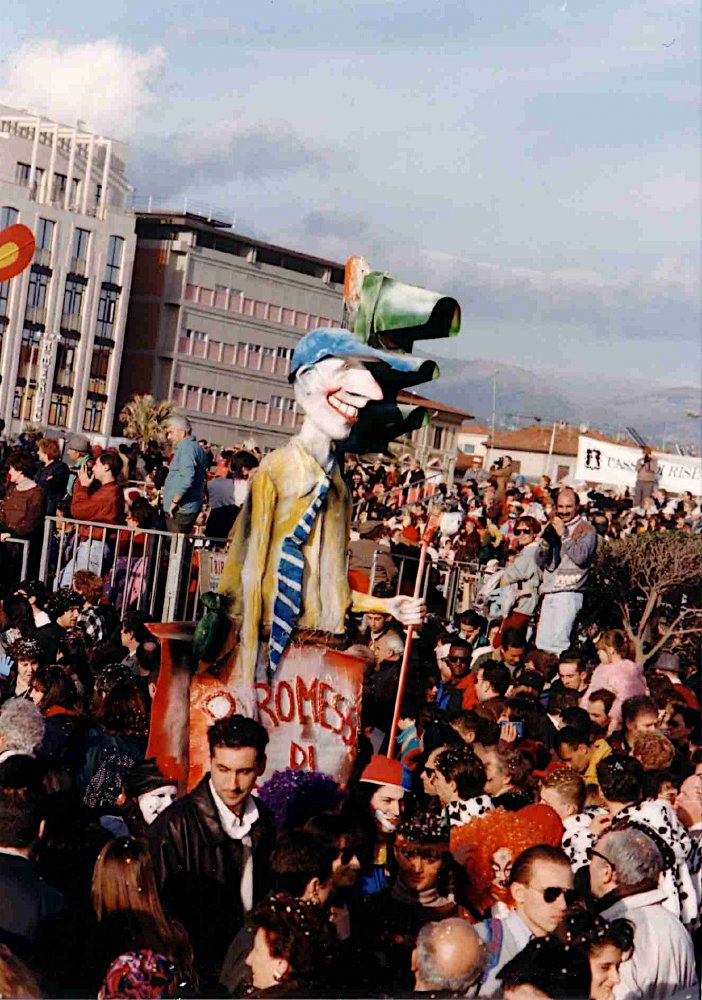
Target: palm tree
146 418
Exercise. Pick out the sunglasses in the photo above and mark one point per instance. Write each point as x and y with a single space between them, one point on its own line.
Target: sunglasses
429 771
592 853
523 531
457 659
554 892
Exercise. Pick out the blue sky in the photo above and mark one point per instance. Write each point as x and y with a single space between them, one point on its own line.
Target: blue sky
537 158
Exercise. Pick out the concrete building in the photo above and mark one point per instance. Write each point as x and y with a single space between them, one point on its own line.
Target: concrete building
213 320
62 320
471 445
434 446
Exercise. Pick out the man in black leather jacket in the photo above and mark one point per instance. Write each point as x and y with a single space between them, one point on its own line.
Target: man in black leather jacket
211 848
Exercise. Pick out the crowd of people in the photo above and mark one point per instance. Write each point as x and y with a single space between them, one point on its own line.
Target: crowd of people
535 831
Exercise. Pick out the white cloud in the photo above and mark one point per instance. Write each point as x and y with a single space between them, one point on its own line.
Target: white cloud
104 83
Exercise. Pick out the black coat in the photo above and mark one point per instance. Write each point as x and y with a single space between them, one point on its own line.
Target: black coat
27 902
198 868
53 479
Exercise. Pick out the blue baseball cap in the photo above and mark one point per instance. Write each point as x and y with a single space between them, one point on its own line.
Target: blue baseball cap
329 342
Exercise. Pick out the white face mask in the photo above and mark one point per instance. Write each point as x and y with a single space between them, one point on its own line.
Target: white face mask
385 824
154 802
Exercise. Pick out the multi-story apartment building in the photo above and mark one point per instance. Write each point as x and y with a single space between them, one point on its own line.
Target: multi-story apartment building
62 320
213 320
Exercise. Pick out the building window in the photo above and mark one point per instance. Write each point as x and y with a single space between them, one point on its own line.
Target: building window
98 194
195 335
107 308
4 301
81 243
561 472
282 403
115 247
469 449
437 437
99 368
23 402
64 371
58 188
8 216
36 296
58 409
22 172
45 234
284 352
92 417
72 301
29 353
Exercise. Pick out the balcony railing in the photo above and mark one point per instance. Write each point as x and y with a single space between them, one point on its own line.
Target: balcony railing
36 314
79 265
71 321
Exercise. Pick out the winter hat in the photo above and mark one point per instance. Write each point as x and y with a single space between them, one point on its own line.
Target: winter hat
144 777
79 443
669 663
382 770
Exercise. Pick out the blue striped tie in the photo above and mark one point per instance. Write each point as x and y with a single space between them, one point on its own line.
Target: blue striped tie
288 600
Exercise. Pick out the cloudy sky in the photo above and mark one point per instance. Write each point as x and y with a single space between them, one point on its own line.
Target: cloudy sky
537 158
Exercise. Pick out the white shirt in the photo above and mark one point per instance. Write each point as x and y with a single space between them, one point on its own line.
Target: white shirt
236 827
512 934
663 961
239 828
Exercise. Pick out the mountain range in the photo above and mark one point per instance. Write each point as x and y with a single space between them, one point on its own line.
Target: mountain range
609 404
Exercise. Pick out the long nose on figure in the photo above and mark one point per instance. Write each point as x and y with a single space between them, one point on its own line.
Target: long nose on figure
360 383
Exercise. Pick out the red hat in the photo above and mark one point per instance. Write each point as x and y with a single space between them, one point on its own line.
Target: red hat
382 770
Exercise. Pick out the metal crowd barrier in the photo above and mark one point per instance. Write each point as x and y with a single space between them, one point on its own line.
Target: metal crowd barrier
141 569
459 581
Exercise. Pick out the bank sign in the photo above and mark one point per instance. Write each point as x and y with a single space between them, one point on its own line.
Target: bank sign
615 465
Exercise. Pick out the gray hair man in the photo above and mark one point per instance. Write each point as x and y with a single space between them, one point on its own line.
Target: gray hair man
625 867
449 957
184 488
21 728
567 547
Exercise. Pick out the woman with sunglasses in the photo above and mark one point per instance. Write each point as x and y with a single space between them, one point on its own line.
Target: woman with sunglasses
524 572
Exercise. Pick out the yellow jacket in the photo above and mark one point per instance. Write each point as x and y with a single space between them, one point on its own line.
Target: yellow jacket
281 491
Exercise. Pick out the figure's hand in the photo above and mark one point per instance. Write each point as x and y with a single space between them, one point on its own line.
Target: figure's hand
6 664
4 536
408 610
559 526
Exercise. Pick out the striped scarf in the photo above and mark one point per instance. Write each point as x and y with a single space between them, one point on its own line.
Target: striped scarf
288 600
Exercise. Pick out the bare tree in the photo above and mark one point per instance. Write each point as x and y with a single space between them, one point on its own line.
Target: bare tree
651 579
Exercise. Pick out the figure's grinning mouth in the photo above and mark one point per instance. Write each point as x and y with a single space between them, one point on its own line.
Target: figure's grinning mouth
347 411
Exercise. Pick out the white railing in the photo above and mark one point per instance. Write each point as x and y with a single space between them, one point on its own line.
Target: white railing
142 569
